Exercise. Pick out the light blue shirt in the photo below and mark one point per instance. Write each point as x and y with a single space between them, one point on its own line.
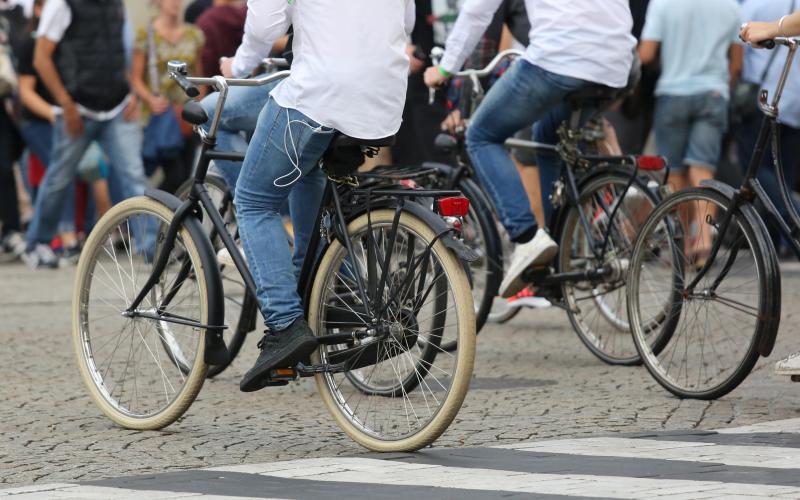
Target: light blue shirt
756 60
695 37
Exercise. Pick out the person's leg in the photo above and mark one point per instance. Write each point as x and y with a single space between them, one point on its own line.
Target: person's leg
240 114
121 140
521 97
304 202
265 184
545 131
58 182
526 164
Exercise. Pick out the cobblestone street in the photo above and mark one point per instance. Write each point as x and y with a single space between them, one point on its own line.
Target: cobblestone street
534 380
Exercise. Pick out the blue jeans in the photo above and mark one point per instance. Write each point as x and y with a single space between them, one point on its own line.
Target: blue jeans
122 142
524 95
240 116
282 163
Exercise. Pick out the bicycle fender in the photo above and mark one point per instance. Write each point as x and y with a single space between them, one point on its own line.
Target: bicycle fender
215 352
770 325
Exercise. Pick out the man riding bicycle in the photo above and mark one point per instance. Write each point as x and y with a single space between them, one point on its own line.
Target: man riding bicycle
349 75
573 45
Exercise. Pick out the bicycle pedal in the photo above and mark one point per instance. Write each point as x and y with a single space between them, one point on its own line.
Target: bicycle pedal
281 376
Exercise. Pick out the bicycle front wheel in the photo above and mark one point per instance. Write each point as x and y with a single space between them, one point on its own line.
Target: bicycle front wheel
718 323
143 372
400 390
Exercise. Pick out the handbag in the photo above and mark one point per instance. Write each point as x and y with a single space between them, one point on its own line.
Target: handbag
744 98
163 138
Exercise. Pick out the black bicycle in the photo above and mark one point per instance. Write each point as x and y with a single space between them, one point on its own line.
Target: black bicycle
600 200
383 285
709 249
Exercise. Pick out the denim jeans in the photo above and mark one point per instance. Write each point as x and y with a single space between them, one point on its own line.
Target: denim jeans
522 96
38 135
282 162
239 116
122 142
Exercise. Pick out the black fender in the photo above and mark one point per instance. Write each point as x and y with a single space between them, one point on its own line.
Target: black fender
215 353
769 325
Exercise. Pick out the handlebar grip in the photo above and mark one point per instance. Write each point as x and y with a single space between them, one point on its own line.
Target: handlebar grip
436 57
187 87
769 44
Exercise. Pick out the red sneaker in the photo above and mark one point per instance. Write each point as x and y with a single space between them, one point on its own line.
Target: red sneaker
527 298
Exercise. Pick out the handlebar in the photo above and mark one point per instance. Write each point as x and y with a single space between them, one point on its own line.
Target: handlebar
178 70
489 69
771 44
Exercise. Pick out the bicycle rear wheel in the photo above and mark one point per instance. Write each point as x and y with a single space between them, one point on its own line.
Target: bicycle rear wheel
400 390
615 209
721 321
132 365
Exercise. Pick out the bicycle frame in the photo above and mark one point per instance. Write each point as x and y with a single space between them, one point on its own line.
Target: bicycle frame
751 189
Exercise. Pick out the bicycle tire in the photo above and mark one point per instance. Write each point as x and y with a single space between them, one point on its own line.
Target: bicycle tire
378 439
598 313
746 229
84 333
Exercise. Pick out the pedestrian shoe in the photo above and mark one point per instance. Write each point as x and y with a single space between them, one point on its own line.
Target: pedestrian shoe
225 259
281 349
540 250
527 298
12 247
789 366
71 254
41 256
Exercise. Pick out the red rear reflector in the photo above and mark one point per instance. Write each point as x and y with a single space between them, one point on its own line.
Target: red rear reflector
453 207
651 163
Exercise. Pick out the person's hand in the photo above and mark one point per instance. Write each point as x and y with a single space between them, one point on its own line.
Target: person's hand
158 104
453 124
226 67
434 78
131 113
757 32
415 64
73 123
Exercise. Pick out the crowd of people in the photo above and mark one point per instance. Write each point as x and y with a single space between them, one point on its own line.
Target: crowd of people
90 117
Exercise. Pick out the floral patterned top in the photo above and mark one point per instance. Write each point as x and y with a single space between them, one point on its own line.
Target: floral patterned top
187 49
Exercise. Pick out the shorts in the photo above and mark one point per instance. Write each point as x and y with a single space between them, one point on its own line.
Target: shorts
689 129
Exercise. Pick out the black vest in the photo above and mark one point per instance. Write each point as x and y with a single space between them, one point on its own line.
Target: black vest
91 56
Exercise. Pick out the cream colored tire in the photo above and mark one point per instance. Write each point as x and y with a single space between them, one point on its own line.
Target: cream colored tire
193 381
463 357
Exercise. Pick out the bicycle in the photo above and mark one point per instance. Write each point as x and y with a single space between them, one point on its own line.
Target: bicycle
383 285
600 202
721 257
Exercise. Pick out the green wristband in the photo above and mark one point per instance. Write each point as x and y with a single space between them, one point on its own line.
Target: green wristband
444 72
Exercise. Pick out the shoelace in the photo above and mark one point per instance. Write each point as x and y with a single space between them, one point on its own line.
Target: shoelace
266 340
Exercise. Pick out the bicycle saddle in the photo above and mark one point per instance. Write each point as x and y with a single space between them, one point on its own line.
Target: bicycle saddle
194 113
593 96
346 154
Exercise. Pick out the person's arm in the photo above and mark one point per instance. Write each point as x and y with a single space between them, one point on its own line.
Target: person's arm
473 19
648 51
157 104
267 20
32 101
411 17
736 62
756 32
46 67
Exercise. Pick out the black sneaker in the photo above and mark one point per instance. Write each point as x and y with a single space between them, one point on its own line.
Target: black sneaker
71 254
283 349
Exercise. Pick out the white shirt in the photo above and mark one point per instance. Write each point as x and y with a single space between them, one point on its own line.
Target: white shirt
54 22
586 39
350 68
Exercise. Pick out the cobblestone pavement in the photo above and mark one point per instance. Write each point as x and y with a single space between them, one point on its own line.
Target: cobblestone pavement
533 381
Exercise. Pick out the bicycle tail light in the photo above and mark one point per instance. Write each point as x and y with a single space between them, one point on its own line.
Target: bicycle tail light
456 206
651 163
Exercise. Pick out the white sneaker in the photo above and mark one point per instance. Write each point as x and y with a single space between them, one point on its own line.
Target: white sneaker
41 256
788 366
225 259
540 250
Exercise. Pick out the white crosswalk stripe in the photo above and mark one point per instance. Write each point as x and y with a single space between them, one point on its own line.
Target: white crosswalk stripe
758 461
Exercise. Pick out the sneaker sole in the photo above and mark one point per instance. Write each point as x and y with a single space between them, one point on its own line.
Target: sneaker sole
290 356
513 283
